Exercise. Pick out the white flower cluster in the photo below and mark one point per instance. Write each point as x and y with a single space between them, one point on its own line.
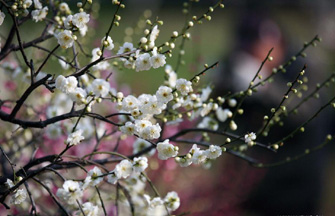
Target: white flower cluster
166 150
126 168
249 138
39 14
198 156
199 104
71 192
65 39
142 110
75 138
93 178
171 201
144 61
19 194
90 210
98 88
65 36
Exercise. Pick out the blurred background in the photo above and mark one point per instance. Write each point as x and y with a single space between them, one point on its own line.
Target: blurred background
239 37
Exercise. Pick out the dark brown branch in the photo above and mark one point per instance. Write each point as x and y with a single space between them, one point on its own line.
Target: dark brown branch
45 60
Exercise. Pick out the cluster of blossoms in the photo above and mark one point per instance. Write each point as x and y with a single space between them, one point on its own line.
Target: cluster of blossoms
198 156
171 201
75 138
126 168
98 88
143 61
142 110
249 138
72 192
71 23
19 194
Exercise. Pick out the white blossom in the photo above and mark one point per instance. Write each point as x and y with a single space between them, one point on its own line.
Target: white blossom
90 210
65 39
107 43
154 34
127 47
166 150
83 30
141 124
93 177
66 85
68 22
213 151
164 94
140 164
130 103
135 112
28 3
143 62
151 105
75 137
223 114
80 19
78 95
99 87
151 132
37 4
184 161
184 86
39 14
19 196
249 137
157 60
71 192
64 7
124 169
199 157
129 64
194 149
172 201
112 178
128 128
153 203
9 183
